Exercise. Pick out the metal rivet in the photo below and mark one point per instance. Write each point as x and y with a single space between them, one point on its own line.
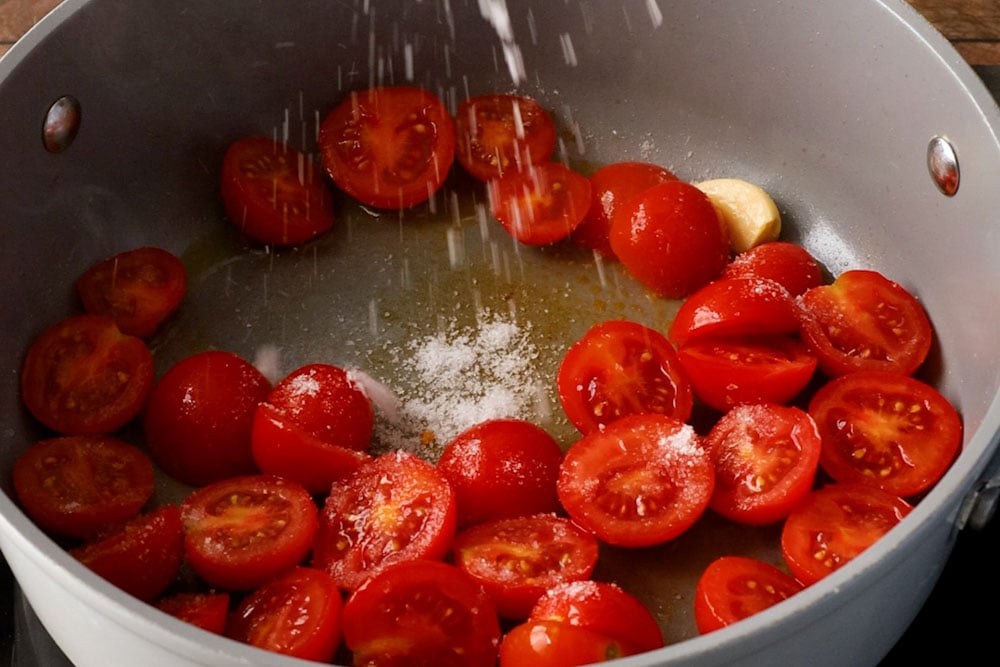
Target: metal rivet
942 162
61 124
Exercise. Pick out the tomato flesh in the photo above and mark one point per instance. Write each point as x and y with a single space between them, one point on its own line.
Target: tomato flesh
733 588
497 134
550 644
788 264
542 204
208 611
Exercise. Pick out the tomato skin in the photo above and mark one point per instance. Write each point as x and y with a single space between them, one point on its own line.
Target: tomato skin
542 204
273 193
496 134
834 524
388 147
502 468
671 239
298 613
641 480
421 612
138 289
886 430
864 321
80 486
395 508
199 417
733 588
550 644
788 264
143 557
82 376
516 560
618 368
208 611
242 531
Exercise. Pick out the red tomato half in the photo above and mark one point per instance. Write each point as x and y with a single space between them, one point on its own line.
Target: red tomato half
388 147
273 193
208 611
143 557
137 288
394 509
83 376
199 416
620 368
516 560
733 588
296 614
886 430
542 204
80 486
788 264
241 532
552 644
497 134
765 457
421 613
864 321
833 525
670 239
639 481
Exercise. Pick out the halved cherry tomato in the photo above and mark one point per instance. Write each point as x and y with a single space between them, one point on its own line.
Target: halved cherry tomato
886 430
620 368
542 204
834 524
142 557
610 187
641 480
138 289
83 376
199 416
601 607
80 486
502 468
788 264
515 560
733 588
726 372
551 644
864 321
298 613
497 134
243 531
670 239
766 457
394 509
273 193
421 613
208 611
388 147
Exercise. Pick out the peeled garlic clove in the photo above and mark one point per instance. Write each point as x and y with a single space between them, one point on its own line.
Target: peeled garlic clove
748 211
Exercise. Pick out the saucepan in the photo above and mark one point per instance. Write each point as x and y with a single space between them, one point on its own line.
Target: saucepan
876 140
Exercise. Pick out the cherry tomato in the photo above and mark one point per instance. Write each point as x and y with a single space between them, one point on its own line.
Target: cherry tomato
199 416
298 613
498 134
765 457
610 187
515 560
551 644
138 289
242 531
641 480
603 608
394 509
733 588
421 612
726 372
208 611
670 239
80 486
388 147
864 321
83 376
620 368
542 204
788 264
142 557
886 430
832 525
502 468
273 193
